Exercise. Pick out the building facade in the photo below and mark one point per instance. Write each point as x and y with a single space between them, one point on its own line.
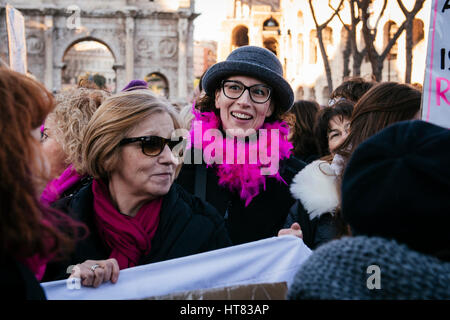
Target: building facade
205 55
146 39
287 28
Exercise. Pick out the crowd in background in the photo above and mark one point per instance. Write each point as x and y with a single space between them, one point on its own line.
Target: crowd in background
93 182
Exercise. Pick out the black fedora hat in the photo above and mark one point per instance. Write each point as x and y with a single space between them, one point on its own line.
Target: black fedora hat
256 62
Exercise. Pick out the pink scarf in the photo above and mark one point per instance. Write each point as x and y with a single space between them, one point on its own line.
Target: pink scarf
246 179
55 188
36 263
128 237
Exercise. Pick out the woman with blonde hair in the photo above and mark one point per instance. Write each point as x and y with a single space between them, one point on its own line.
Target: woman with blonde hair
61 138
30 233
135 213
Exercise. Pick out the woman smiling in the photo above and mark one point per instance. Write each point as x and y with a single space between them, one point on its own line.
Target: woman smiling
136 215
245 97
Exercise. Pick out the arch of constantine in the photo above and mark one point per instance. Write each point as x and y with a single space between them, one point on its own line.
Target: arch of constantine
144 38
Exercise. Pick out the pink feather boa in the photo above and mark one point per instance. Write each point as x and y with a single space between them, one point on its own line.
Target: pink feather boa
246 179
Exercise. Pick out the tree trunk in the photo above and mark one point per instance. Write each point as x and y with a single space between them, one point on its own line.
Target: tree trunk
326 63
409 23
319 29
409 47
346 54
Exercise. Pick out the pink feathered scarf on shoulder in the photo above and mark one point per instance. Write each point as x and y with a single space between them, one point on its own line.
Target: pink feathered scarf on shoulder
244 178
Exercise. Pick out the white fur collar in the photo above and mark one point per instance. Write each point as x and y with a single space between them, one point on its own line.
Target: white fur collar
315 186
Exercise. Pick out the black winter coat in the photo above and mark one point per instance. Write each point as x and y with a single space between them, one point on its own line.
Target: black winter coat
17 282
266 213
187 226
317 199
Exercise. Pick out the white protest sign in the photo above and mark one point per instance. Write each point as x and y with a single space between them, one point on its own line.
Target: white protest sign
270 260
15 25
436 90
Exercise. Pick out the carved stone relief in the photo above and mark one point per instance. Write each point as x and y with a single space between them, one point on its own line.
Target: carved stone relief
35 45
144 48
167 48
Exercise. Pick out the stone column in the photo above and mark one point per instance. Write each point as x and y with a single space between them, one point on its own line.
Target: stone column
182 59
48 78
57 70
120 76
129 49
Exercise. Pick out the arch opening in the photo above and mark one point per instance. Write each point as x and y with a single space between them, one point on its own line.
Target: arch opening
91 60
158 84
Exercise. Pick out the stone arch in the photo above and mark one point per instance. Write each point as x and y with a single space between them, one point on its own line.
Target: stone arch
271 44
94 57
239 36
271 24
158 83
114 48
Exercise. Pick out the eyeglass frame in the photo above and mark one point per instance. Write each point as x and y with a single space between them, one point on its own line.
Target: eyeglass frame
222 84
167 142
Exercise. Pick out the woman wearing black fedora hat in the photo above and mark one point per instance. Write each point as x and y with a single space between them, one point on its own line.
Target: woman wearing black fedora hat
241 161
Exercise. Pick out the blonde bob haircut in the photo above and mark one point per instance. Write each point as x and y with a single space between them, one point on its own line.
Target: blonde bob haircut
113 121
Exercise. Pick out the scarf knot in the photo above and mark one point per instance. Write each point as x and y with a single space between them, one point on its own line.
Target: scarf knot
129 238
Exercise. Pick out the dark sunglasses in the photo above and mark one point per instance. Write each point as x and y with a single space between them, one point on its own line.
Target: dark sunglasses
152 146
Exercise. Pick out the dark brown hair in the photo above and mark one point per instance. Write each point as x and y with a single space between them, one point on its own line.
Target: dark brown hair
303 139
27 227
384 104
352 89
342 109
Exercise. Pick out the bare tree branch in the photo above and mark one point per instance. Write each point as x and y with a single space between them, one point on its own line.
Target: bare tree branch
381 15
402 7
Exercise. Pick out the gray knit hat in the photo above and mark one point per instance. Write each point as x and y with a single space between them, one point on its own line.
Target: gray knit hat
255 62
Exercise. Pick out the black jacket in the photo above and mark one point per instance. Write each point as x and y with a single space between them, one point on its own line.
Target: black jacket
317 199
187 226
315 232
17 282
266 213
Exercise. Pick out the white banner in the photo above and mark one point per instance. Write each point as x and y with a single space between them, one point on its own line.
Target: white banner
15 24
436 90
270 260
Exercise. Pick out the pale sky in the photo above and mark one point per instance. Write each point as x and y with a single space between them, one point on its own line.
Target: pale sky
208 24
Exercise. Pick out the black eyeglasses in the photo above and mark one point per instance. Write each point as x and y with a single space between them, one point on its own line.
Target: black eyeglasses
152 146
259 93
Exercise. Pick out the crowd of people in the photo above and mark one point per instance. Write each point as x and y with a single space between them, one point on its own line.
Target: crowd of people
94 182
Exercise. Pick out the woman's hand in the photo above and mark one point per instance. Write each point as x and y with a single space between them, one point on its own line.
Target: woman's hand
294 230
94 272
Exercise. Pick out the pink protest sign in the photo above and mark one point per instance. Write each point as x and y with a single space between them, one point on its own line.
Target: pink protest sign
436 94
